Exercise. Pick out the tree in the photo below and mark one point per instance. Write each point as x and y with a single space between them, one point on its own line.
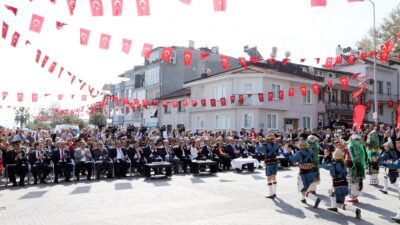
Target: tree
98 119
388 29
21 116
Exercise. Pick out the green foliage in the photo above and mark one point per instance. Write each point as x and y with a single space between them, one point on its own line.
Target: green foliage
98 119
22 116
388 29
36 124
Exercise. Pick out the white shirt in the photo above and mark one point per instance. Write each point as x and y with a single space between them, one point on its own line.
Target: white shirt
193 153
120 155
83 159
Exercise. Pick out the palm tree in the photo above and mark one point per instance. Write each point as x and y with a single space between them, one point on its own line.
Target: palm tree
21 116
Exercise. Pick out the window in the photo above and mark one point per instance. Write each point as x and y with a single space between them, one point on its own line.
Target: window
275 90
248 120
307 98
167 109
271 121
200 122
380 87
306 122
181 108
333 96
345 97
380 109
222 121
152 76
321 95
128 93
219 92
248 88
388 88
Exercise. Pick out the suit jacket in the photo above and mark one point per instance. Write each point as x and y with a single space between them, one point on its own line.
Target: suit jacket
150 156
207 152
163 152
55 156
33 159
231 151
243 149
113 152
100 154
178 152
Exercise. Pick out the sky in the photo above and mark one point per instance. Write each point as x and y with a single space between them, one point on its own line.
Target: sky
290 25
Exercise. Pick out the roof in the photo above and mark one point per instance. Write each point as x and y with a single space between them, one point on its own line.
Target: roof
179 93
289 69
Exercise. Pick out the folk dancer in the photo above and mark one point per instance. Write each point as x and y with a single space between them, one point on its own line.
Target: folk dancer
339 190
308 174
389 155
313 145
373 157
356 164
271 165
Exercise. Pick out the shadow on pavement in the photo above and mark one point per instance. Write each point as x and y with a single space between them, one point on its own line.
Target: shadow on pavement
288 209
123 186
81 190
33 194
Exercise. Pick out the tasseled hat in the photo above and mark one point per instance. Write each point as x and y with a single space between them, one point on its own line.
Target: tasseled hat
337 154
302 144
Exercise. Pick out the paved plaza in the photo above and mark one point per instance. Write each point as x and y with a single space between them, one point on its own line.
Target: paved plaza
227 198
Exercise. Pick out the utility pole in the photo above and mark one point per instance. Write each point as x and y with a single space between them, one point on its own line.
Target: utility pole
376 111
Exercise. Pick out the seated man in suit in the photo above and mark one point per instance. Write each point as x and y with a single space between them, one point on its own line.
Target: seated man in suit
167 154
120 159
243 149
62 161
136 155
231 149
83 160
150 151
102 160
208 152
183 153
40 163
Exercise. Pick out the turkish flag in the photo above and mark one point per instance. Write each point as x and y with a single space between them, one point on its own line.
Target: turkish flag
339 60
166 54
223 101
144 103
372 54
243 62
232 98
52 67
45 59
4 95
96 7
174 104
154 102
315 3
354 76
291 92
117 7
330 83
203 102
146 51
15 39
219 5
71 6
241 99
143 7
185 103
4 30
281 94
164 103
60 97
194 103
270 96
126 45
384 56
390 104
204 55
351 59
271 61
105 41
186 1
225 62
83 98
213 102
34 97
84 36
255 59
60 25
363 56
357 93
358 116
261 97
20 97
36 23
12 9
302 60
329 63
303 90
389 46
38 54
187 57
315 88
344 81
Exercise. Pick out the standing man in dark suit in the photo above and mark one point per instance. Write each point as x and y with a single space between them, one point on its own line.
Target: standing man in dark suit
17 163
62 161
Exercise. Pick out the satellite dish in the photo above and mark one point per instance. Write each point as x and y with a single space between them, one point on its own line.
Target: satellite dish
287 54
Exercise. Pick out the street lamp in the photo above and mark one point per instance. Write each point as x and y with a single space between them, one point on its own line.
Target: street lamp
375 114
